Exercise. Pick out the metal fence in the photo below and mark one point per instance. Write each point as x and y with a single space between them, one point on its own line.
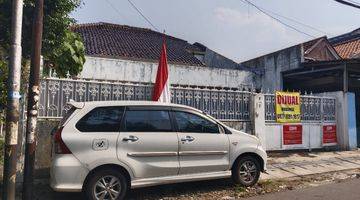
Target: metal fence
313 108
226 104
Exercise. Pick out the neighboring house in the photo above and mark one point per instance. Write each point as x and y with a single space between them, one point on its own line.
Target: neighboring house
276 63
279 67
124 53
347 45
318 66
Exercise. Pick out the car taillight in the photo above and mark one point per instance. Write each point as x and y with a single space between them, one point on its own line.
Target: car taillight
59 145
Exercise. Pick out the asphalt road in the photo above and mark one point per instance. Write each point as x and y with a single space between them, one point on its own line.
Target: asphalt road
349 190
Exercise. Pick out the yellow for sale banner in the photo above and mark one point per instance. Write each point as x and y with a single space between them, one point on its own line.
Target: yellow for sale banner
287 107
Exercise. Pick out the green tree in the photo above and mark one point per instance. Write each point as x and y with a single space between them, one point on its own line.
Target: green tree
58 40
68 57
62 49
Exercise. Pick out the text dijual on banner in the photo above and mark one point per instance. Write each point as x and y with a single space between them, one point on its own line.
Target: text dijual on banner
287 107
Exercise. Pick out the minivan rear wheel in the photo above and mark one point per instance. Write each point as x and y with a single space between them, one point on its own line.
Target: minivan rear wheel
246 171
106 184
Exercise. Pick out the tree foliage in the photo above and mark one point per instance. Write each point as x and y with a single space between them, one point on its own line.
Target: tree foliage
58 40
3 80
62 49
70 53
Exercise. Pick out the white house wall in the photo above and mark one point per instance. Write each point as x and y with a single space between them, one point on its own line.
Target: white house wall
138 71
273 64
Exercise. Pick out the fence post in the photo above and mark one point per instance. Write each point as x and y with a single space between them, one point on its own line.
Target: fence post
252 111
322 120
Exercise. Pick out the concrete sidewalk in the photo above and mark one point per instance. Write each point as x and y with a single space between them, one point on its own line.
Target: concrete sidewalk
286 165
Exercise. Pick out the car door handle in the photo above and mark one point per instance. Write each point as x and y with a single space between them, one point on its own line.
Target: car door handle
187 139
131 138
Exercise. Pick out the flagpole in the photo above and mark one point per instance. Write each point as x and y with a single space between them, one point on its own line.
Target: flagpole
167 66
168 71
164 36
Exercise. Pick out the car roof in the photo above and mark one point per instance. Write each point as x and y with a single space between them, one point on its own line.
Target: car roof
129 103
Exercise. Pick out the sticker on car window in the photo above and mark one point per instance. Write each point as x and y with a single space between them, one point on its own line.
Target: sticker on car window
100 144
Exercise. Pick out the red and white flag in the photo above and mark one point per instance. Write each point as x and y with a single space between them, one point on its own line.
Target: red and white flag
161 91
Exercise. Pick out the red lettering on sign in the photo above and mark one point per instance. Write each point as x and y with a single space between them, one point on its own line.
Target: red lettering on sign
292 134
329 134
289 100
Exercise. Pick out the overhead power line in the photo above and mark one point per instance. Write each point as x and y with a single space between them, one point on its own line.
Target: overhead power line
355 2
117 11
143 16
349 3
296 21
277 19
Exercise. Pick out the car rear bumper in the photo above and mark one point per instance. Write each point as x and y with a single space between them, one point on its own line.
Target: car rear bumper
67 174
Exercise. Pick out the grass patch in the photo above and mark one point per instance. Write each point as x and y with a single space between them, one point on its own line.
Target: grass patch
240 189
266 182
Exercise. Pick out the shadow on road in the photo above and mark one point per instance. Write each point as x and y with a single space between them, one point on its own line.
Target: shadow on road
43 192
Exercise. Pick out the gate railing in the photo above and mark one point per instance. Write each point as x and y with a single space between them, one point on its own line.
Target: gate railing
313 108
225 104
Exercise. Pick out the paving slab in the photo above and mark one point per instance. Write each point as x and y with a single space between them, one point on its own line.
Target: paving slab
354 160
301 164
276 173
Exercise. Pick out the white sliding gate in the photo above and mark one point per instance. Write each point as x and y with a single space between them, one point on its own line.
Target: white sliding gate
318 116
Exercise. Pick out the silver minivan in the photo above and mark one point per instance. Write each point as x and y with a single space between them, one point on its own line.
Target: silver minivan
106 148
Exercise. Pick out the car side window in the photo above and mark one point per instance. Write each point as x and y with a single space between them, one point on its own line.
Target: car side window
147 121
101 119
188 122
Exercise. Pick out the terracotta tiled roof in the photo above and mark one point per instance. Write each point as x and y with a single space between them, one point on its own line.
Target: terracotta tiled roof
350 49
120 41
347 45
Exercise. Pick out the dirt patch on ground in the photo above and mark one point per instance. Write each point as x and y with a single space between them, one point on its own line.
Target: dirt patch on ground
225 189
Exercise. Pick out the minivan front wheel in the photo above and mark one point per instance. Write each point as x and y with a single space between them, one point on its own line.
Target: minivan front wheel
106 184
246 171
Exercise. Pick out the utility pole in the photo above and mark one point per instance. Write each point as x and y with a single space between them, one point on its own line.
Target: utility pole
33 101
12 110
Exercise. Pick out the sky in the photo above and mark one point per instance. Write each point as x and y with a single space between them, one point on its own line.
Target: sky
232 28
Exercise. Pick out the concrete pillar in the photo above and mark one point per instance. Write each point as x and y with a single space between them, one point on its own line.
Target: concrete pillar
259 118
342 120
345 120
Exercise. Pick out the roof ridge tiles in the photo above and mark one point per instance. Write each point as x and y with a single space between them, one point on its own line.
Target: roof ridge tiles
116 40
123 26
